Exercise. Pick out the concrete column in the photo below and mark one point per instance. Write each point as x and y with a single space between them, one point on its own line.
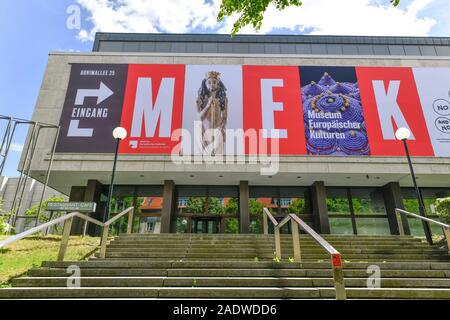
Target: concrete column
168 219
77 195
393 199
92 193
319 206
244 212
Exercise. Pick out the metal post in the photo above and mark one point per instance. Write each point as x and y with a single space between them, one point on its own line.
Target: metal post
5 138
338 276
422 211
277 243
401 229
65 239
85 225
296 241
47 175
8 145
265 223
49 219
130 221
27 174
103 242
447 236
19 182
108 202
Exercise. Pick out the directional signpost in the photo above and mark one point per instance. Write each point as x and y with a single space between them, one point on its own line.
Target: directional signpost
86 207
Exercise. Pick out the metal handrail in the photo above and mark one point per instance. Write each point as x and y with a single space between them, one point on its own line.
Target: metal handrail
67 219
401 227
336 260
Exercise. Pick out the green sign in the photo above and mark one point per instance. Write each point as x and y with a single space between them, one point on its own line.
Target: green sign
71 206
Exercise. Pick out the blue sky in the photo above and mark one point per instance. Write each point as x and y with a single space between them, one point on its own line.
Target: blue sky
32 28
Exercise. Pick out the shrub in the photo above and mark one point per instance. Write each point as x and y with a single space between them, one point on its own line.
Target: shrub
443 209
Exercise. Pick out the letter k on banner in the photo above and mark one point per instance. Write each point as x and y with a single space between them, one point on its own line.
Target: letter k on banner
390 100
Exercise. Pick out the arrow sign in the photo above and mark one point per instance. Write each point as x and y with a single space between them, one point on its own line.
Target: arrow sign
102 93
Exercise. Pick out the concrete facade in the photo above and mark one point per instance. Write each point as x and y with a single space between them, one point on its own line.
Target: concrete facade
72 171
31 197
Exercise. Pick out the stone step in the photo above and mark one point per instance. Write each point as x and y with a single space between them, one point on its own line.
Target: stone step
225 282
139 263
223 292
251 236
262 240
263 244
205 272
114 244
269 255
271 250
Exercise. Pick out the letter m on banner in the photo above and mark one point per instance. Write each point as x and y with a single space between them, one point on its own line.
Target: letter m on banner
390 100
152 108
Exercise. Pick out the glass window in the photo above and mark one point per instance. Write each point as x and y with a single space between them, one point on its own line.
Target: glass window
429 198
372 226
263 197
279 200
292 200
208 200
192 199
149 204
337 201
368 201
357 210
341 225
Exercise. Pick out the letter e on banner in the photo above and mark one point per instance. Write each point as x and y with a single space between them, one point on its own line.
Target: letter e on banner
390 100
152 108
273 107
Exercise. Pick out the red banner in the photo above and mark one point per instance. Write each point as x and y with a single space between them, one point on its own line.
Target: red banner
152 108
272 103
390 100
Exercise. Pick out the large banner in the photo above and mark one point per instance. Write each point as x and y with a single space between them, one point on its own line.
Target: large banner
224 109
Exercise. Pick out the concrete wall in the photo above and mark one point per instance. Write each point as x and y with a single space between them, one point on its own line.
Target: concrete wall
31 196
77 169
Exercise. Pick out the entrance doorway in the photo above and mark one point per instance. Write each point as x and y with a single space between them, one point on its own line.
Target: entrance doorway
205 225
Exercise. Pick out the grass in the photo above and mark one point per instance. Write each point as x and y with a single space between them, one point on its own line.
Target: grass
17 258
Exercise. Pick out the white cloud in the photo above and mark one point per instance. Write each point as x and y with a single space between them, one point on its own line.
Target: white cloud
343 17
171 16
16 147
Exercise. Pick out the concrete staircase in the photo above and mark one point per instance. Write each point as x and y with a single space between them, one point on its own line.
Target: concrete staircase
242 266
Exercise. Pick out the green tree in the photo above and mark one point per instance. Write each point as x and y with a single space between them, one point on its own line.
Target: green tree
215 206
338 205
297 206
195 205
232 206
45 215
33 211
252 11
255 207
232 225
443 209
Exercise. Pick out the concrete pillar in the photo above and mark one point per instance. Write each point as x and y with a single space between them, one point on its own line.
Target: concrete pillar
392 200
93 193
244 212
319 206
77 195
168 218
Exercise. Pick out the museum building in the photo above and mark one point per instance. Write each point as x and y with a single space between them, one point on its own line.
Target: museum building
219 127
